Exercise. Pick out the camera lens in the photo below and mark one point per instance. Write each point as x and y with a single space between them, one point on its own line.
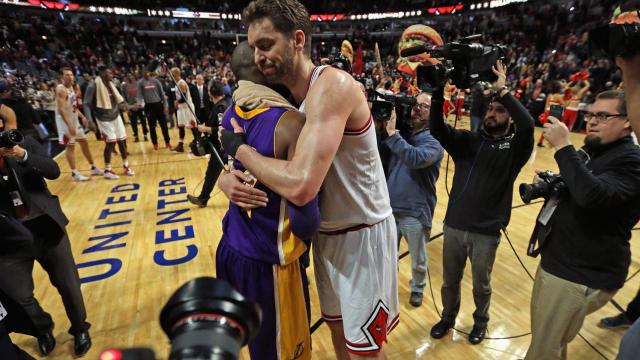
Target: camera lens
207 319
529 192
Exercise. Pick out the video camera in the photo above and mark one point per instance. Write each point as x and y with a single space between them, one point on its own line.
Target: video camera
464 62
339 61
204 319
382 106
615 40
10 138
552 186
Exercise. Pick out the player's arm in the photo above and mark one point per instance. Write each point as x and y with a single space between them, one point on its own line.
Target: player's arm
61 99
304 220
329 104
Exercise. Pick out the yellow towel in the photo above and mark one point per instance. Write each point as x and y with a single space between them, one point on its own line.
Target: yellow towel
103 100
250 96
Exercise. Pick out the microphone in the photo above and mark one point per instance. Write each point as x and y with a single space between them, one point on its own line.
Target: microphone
414 50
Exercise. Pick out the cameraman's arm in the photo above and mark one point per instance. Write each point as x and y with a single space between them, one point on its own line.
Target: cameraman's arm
523 138
38 161
631 76
451 139
422 155
606 190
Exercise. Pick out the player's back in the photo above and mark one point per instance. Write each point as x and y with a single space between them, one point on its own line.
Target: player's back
354 192
262 234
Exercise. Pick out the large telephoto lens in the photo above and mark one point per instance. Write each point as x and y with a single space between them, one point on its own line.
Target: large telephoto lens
207 319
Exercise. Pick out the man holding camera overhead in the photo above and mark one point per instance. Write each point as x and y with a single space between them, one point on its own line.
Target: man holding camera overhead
583 234
486 165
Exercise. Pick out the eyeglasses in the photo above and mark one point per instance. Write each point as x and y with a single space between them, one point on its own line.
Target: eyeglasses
601 117
423 106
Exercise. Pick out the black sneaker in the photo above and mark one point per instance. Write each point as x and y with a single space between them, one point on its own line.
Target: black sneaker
197 201
415 299
81 343
616 322
441 329
136 139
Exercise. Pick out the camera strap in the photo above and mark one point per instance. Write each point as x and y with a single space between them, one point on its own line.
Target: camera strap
542 229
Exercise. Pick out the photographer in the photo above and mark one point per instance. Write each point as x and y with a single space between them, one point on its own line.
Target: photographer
585 243
413 171
486 165
27 205
219 103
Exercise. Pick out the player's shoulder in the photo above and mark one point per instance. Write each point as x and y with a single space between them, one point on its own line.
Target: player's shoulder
338 81
293 118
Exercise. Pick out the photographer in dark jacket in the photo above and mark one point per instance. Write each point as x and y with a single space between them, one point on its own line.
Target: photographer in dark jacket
27 205
219 103
584 244
486 165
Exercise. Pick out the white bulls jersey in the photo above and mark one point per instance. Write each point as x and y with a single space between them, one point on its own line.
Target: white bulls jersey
70 106
354 191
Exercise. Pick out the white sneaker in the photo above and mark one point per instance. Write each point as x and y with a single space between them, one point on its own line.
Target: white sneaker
97 171
110 175
128 171
79 177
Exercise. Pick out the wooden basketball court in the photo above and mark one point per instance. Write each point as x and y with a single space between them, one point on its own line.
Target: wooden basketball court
137 239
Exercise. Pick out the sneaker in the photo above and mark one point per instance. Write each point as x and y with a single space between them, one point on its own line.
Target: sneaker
136 139
155 146
110 175
179 148
96 171
415 299
79 177
128 171
616 322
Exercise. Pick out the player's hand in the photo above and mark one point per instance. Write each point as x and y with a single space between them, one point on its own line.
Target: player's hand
85 122
246 197
15 152
501 72
556 133
630 66
72 131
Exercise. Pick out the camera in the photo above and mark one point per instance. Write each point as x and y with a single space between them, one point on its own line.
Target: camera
340 62
464 62
10 138
204 319
552 186
615 40
383 105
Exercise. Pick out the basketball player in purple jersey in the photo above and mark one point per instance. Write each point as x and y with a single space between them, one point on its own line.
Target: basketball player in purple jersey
259 250
355 253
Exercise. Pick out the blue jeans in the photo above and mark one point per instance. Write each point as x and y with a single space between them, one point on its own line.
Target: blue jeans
417 236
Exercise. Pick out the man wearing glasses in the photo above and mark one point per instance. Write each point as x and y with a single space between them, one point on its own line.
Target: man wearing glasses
414 166
584 240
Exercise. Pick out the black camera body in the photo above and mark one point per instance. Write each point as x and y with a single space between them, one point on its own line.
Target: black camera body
11 138
381 109
615 40
463 62
341 62
552 187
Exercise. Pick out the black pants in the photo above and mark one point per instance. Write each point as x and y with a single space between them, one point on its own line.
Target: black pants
201 114
57 261
155 114
633 309
214 168
135 117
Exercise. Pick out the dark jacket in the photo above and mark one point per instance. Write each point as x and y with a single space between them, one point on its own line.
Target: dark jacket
485 168
195 96
35 193
414 167
591 227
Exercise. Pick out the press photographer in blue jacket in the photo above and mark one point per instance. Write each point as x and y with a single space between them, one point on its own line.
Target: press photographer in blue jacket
414 167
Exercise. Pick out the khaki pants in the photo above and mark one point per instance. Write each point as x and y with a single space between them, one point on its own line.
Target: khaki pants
558 309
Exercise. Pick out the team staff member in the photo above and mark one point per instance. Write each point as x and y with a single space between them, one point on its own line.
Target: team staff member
152 97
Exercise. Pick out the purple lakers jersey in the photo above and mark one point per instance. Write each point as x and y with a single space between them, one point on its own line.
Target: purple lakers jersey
262 234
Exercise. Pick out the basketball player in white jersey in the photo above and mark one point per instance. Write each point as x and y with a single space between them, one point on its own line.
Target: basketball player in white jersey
355 253
186 110
69 129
